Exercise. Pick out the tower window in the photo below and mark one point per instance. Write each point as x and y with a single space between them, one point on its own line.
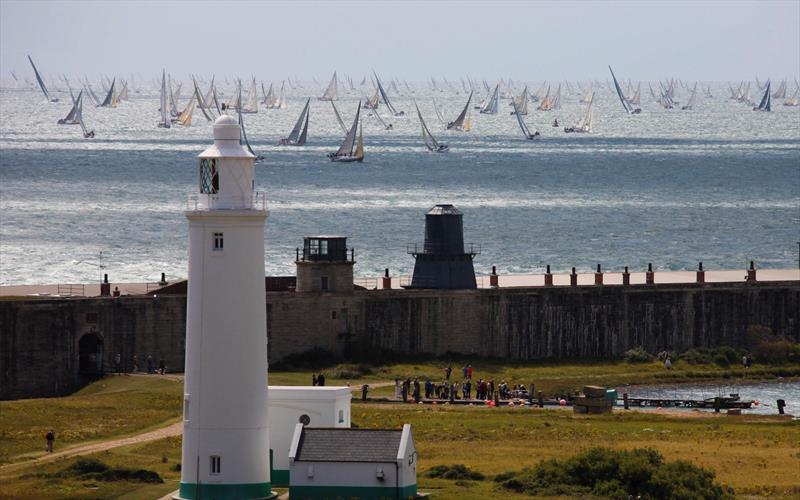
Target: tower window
209 177
216 464
323 247
324 282
219 242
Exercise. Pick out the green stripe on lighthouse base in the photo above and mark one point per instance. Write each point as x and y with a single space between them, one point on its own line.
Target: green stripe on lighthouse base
223 491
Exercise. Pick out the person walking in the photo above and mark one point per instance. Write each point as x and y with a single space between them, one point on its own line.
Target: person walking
150 367
314 379
50 438
321 380
161 366
416 390
447 372
135 363
469 372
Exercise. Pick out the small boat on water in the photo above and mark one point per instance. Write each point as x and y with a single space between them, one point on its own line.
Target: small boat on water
243 137
584 125
430 142
525 131
299 134
386 97
332 92
73 117
110 101
625 104
350 150
766 100
690 103
462 121
87 134
793 101
41 82
164 102
490 107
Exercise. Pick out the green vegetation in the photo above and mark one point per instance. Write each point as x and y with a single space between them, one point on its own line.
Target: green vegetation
616 474
638 355
111 407
757 456
454 472
92 469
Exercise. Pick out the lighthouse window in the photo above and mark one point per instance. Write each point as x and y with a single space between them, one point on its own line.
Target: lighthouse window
219 242
323 247
216 464
209 177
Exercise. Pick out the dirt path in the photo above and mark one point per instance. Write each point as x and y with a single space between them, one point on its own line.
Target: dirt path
175 429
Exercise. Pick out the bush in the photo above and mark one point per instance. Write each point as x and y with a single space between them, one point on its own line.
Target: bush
777 351
454 472
730 354
607 473
720 360
698 356
350 371
95 470
638 355
309 360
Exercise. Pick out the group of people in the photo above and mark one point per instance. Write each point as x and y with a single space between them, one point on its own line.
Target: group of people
151 367
318 379
481 389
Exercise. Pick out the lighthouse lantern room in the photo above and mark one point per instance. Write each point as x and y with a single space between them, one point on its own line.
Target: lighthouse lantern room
225 438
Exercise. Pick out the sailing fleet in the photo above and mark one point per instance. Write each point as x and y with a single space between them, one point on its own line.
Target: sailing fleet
376 96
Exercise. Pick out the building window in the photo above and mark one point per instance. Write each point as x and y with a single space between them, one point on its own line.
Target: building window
324 282
313 247
209 177
323 247
216 464
341 416
219 242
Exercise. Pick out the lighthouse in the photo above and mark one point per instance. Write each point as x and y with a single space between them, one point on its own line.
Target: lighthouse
225 433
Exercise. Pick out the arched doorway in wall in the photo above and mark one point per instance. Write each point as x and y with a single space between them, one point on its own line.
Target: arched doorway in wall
90 354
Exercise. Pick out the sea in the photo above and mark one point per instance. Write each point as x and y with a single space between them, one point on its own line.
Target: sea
718 184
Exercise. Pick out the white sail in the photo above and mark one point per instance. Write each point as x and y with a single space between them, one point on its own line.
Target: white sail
490 108
72 117
185 118
332 92
386 97
269 97
690 103
164 102
207 113
439 115
282 104
110 101
250 105
346 150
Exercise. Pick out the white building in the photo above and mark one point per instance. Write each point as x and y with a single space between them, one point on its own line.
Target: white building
311 406
225 437
363 464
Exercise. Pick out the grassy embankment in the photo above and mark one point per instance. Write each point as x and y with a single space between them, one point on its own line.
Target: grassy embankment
755 455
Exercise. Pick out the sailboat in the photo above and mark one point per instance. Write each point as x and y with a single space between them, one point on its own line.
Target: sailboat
625 104
164 102
41 82
332 92
339 118
377 115
781 92
690 103
72 117
351 151
766 100
793 101
110 101
269 97
439 115
460 121
521 102
87 134
207 113
298 135
372 102
490 108
243 134
584 125
523 127
430 142
185 116
251 104
386 97
123 94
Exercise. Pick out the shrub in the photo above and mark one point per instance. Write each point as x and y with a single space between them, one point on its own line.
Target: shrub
95 470
638 355
309 360
777 351
698 356
607 473
457 472
729 353
721 360
350 371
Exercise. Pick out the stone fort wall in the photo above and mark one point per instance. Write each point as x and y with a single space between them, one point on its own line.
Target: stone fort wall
41 339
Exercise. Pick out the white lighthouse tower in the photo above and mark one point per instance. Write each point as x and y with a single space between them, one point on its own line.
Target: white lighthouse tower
225 435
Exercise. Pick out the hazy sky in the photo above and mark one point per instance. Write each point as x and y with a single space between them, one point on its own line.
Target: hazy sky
705 40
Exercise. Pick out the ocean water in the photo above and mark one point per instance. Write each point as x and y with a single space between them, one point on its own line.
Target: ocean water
719 184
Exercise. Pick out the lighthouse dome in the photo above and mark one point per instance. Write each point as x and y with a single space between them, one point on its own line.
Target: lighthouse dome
226 128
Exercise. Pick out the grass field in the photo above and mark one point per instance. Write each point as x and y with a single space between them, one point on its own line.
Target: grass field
757 456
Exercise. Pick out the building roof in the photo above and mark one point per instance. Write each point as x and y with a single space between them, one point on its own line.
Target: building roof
444 210
348 445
